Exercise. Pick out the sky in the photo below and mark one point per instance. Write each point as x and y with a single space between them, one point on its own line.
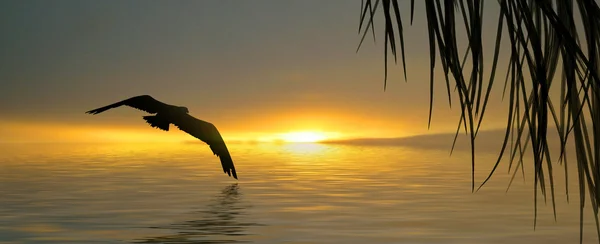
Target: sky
256 69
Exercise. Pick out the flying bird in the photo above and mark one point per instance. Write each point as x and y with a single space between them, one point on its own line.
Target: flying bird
165 114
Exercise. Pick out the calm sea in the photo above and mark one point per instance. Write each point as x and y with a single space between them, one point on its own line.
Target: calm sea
287 193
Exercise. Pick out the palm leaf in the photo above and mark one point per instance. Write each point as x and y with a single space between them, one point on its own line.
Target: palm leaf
544 41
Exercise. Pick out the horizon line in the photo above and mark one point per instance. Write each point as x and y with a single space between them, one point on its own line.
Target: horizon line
352 140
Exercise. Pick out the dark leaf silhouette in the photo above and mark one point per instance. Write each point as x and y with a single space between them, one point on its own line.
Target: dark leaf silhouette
544 40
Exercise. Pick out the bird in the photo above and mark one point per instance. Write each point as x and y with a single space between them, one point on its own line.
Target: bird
166 114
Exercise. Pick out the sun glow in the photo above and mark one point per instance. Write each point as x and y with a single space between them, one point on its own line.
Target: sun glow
303 136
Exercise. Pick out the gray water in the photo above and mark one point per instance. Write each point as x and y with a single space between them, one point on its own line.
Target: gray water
287 193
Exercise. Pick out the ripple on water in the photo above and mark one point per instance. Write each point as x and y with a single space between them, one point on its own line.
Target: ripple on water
286 193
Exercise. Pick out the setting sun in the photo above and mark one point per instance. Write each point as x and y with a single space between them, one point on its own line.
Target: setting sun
304 136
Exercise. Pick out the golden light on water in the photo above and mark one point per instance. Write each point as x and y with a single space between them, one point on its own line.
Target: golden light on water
306 148
303 136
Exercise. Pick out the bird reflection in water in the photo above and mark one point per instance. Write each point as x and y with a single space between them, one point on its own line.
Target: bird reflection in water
218 223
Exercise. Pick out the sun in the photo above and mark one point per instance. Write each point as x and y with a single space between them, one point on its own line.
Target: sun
303 136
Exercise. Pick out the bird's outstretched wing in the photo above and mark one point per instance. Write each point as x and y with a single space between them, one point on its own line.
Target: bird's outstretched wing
209 134
145 103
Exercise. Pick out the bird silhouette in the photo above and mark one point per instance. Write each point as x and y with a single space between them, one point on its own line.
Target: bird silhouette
165 114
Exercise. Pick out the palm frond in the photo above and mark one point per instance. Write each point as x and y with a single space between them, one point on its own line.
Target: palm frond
544 39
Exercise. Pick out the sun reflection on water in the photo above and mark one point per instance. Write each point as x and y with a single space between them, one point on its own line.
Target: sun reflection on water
305 148
151 193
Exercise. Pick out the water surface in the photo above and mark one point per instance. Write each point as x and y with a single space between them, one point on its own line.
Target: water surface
286 193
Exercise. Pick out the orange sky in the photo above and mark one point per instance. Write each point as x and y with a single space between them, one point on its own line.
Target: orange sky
255 69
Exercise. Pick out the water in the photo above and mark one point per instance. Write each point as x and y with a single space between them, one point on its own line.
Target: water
287 193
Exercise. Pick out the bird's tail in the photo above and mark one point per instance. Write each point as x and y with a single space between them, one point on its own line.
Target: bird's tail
157 122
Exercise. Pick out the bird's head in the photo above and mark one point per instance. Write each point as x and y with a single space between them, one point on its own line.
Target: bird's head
184 109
